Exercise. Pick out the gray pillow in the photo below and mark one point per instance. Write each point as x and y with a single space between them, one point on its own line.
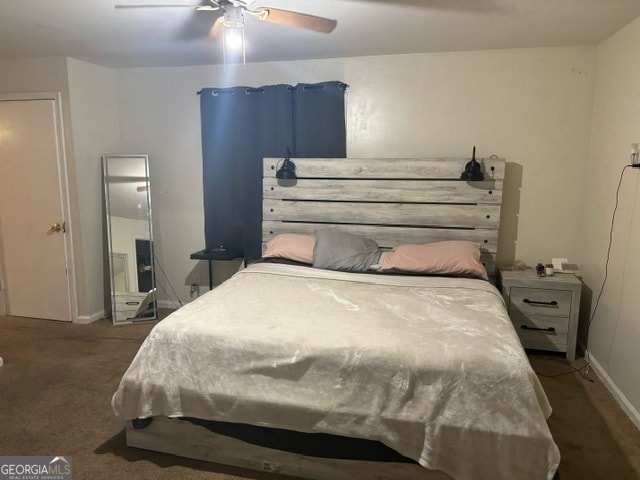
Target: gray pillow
335 250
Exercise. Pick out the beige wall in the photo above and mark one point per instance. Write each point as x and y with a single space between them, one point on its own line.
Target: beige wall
94 111
615 332
531 106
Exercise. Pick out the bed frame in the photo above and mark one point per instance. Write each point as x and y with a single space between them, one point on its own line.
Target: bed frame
392 201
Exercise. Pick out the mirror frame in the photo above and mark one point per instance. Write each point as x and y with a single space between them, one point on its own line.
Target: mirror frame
133 299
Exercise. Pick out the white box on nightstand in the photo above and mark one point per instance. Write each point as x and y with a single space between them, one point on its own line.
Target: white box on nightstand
544 310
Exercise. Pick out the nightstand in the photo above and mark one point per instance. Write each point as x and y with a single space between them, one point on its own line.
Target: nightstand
544 310
217 254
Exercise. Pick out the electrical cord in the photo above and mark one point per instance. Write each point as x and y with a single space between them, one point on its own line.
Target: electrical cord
573 369
157 262
169 296
586 367
606 265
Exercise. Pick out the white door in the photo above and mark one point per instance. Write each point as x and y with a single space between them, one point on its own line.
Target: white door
34 255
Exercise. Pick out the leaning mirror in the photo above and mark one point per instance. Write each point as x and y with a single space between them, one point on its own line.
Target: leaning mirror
130 239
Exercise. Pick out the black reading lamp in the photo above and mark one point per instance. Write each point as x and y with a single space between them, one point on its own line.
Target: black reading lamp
287 170
472 170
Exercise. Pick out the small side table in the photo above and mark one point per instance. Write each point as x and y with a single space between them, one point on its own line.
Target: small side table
217 254
544 310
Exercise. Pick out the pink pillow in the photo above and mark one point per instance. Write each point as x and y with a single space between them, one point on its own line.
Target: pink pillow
292 246
452 257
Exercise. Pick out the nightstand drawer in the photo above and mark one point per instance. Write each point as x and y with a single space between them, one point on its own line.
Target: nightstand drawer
128 312
537 330
539 301
539 323
128 304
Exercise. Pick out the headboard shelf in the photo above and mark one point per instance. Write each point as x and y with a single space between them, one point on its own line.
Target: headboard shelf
392 201
386 168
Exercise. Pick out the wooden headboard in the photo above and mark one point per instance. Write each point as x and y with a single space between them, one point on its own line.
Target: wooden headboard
391 200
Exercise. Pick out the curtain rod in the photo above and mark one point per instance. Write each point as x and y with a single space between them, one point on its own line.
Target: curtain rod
248 90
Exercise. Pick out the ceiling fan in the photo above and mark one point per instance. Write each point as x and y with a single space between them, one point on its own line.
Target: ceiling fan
231 14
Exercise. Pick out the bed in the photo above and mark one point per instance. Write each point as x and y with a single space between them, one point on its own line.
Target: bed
423 373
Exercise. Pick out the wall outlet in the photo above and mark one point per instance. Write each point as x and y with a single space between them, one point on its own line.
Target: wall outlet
195 290
635 154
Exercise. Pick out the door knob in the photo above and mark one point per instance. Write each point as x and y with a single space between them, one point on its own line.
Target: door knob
56 227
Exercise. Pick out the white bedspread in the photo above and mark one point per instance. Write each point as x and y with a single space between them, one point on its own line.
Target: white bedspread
431 367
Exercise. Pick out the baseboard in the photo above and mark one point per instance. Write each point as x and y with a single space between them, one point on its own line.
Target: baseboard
86 319
622 400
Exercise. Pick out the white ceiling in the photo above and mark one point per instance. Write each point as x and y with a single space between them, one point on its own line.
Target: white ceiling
96 32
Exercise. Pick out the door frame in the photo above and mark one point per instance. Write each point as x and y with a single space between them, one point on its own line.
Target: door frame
63 189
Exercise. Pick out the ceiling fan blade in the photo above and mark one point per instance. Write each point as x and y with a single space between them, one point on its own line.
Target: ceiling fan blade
217 30
164 5
203 5
200 25
295 19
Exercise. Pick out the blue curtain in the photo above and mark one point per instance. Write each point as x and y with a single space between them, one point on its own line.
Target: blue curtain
241 126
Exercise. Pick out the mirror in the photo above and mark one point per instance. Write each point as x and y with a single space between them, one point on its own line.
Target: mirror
128 210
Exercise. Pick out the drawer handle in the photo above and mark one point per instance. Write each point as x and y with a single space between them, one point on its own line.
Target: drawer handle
133 302
548 330
552 303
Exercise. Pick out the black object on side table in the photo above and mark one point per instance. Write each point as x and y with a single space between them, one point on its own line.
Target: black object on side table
215 254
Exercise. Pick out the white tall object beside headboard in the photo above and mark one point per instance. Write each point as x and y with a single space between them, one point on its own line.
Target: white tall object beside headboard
391 200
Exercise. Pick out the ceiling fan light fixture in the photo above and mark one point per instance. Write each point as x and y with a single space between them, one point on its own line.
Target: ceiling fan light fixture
233 17
233 39
233 33
233 45
228 23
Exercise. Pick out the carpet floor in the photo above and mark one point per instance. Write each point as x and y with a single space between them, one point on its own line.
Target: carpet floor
57 381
